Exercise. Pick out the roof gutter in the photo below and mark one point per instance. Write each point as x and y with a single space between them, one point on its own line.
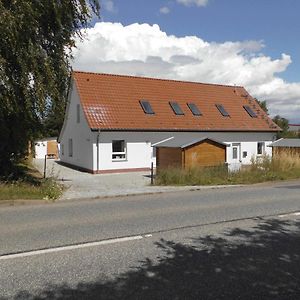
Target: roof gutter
180 130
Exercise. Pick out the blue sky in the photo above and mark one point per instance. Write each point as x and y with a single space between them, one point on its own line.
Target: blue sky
250 36
275 22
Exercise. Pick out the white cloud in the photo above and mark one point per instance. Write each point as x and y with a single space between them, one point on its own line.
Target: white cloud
109 5
144 50
164 10
193 2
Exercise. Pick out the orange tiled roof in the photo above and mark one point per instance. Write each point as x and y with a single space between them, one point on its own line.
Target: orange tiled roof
111 102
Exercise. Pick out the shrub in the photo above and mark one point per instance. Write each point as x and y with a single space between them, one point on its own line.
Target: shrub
46 189
265 168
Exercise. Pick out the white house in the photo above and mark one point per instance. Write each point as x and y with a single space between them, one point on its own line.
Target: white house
112 121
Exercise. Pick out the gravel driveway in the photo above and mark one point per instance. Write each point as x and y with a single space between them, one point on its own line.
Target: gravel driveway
84 185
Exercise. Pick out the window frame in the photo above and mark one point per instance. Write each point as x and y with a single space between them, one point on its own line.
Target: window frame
70 146
78 113
250 112
147 108
222 110
119 155
262 148
194 109
176 108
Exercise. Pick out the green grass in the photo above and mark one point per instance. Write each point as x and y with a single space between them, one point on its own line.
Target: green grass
283 167
47 189
24 182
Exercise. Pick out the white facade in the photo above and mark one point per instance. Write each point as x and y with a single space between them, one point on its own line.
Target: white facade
93 151
40 147
140 153
76 138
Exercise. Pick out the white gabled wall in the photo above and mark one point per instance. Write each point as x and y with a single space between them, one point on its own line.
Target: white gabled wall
139 150
80 134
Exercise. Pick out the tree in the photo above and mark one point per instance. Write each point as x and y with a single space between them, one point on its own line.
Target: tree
283 123
36 38
263 105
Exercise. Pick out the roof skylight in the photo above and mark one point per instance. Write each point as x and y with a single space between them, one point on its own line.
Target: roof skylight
176 108
251 113
222 110
146 107
194 109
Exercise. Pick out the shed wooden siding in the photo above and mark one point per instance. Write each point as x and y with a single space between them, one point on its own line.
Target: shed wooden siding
52 149
168 157
204 154
287 150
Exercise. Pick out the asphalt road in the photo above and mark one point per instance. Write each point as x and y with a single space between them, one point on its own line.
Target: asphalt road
213 244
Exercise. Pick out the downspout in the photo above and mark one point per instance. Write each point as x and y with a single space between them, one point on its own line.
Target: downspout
97 145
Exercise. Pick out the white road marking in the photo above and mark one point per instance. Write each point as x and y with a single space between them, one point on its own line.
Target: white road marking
148 235
67 248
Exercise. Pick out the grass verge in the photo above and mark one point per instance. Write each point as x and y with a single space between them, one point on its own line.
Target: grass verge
24 182
282 167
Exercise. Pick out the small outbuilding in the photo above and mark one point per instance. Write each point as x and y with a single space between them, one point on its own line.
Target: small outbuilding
197 153
46 146
290 146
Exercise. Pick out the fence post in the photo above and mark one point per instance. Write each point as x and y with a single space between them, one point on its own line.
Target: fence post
152 181
45 165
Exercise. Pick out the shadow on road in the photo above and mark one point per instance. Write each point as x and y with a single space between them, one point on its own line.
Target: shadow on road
261 263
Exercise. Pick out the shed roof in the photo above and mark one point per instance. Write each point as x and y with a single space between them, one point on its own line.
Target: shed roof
294 127
112 102
184 142
46 139
291 143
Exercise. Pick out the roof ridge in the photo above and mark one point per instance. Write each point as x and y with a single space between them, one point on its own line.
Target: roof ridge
160 79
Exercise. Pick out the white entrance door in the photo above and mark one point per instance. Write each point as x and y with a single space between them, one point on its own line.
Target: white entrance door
236 157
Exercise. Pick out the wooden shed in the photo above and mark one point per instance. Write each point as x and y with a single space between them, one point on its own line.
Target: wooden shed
288 146
200 153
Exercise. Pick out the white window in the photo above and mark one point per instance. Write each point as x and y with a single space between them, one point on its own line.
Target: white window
70 147
260 148
118 150
78 113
